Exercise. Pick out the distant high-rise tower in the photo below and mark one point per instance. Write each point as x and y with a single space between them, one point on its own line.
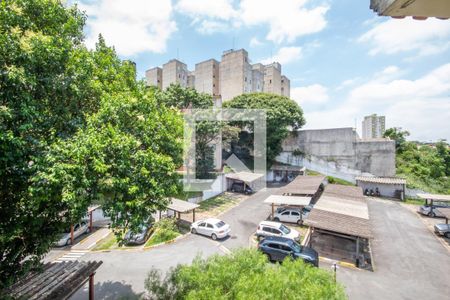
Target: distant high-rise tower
272 78
373 126
235 74
174 71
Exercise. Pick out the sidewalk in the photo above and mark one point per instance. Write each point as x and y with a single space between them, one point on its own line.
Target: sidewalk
90 241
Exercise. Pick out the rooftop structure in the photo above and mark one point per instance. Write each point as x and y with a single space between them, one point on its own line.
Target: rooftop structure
418 9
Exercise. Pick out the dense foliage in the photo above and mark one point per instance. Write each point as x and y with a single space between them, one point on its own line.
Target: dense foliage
244 274
165 230
426 167
282 114
75 127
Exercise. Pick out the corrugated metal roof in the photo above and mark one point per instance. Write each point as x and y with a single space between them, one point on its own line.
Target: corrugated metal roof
181 206
444 211
302 185
344 224
434 197
344 191
341 209
247 177
381 180
288 200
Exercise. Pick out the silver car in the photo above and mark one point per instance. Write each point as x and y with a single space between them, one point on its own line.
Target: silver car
442 229
78 229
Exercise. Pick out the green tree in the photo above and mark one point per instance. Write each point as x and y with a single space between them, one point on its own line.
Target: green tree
398 135
282 114
53 94
206 131
245 274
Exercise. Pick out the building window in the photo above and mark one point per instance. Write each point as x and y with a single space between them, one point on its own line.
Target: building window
282 81
214 76
214 85
270 81
245 79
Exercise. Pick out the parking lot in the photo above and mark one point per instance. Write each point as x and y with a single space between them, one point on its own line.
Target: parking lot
409 261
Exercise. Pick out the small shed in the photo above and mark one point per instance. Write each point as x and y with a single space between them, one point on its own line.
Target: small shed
253 180
280 200
393 187
55 281
180 206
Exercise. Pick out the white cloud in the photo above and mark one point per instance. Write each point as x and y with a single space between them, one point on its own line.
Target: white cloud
207 27
287 19
255 42
220 9
421 106
315 93
395 36
131 27
285 55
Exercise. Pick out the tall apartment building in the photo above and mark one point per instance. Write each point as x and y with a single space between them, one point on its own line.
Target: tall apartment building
154 77
257 77
373 126
207 77
174 71
285 86
234 75
272 78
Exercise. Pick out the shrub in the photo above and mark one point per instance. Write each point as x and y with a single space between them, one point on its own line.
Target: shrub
165 230
244 274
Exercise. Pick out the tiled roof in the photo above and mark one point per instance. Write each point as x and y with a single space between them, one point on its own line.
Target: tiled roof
302 185
247 177
381 180
181 206
343 191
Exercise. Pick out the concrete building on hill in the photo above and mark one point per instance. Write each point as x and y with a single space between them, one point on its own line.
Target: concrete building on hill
234 75
174 71
373 127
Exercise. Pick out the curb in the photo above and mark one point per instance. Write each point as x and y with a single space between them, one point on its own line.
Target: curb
167 242
340 263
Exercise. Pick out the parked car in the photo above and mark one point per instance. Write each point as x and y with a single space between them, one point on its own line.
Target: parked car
268 228
278 248
240 187
78 229
140 236
291 214
214 228
442 229
431 211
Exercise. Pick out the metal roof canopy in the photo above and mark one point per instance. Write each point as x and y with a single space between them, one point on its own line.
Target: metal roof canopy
434 197
444 211
247 177
352 208
302 185
344 191
335 222
56 281
382 180
288 200
181 206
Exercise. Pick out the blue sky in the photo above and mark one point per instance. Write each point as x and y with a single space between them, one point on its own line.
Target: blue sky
343 60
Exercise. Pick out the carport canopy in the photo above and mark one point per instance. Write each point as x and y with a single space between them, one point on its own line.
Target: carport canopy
247 177
302 185
434 197
288 200
180 206
445 212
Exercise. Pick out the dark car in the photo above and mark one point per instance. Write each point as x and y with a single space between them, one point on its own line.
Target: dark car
138 236
240 187
277 248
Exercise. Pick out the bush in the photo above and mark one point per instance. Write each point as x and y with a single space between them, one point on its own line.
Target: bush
165 230
244 274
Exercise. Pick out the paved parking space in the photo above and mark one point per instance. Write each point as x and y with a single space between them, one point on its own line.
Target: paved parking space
410 263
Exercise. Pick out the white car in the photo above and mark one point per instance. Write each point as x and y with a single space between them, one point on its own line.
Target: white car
268 228
214 228
78 229
291 214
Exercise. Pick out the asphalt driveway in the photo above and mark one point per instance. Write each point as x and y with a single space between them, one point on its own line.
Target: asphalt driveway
410 263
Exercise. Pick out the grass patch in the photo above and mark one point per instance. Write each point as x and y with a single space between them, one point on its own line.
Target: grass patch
107 243
414 201
217 204
165 230
335 180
